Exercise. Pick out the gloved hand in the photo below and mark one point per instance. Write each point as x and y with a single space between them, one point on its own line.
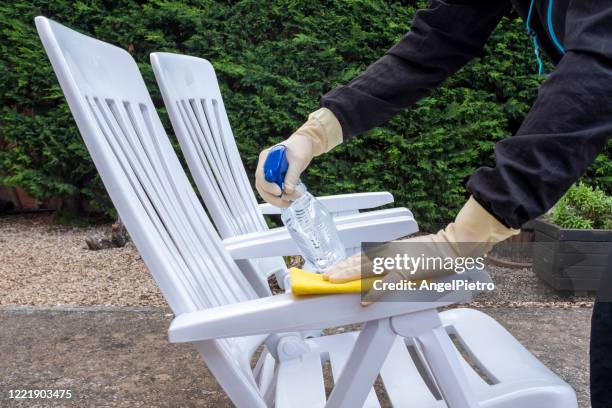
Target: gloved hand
318 135
472 234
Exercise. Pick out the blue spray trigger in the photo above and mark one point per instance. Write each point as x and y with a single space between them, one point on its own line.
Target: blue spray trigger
276 165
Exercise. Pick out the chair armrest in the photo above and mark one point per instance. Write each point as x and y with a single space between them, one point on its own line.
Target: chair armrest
288 313
277 314
374 215
278 242
269 209
343 202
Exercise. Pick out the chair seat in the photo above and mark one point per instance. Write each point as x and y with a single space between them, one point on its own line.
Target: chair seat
510 376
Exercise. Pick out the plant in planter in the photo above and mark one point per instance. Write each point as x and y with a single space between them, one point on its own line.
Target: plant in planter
583 207
572 245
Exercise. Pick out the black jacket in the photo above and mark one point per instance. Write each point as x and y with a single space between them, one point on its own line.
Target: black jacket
567 127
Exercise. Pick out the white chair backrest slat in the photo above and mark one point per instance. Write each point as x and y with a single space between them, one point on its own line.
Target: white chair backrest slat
195 106
224 189
198 150
134 181
232 158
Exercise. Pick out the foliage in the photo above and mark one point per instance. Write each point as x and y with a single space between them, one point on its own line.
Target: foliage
274 63
583 207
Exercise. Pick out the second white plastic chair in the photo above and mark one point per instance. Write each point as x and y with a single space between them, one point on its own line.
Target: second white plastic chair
193 100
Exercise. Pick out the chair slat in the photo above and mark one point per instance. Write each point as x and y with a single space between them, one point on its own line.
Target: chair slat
150 210
209 163
222 129
208 125
148 166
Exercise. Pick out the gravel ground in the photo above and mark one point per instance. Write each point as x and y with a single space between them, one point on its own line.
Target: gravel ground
522 288
42 264
117 357
45 264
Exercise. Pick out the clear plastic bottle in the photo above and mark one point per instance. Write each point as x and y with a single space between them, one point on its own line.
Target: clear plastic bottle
311 226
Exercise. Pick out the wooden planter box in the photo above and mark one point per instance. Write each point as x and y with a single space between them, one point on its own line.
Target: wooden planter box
570 259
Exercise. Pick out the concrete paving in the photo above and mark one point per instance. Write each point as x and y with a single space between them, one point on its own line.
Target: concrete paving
119 357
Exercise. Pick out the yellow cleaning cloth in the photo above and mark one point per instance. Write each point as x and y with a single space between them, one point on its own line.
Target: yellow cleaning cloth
310 283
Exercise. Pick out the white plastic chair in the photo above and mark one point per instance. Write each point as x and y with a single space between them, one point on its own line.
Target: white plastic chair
194 103
219 312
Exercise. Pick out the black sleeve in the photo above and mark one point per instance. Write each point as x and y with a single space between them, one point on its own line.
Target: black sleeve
442 39
569 124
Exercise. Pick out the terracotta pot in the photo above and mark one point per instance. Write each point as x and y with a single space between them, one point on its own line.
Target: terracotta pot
26 201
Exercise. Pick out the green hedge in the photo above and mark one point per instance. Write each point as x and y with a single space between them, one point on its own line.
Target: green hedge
274 60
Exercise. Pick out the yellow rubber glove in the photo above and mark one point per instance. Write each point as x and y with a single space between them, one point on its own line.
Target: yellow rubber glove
472 234
321 133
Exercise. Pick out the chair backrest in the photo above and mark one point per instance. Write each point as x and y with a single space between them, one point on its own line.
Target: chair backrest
193 100
148 186
150 190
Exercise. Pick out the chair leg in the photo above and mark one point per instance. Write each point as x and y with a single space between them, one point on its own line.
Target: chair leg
364 364
252 275
229 376
441 357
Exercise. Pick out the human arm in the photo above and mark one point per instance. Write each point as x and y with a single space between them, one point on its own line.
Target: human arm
568 125
442 39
